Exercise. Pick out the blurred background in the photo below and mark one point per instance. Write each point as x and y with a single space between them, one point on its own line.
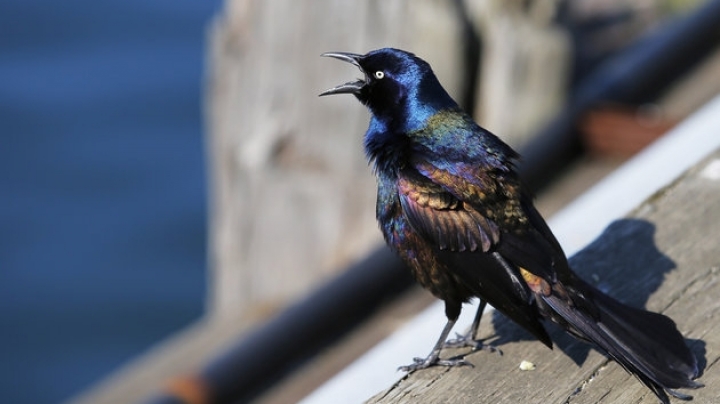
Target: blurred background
174 194
103 188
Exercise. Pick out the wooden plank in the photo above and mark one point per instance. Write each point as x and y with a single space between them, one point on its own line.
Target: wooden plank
663 257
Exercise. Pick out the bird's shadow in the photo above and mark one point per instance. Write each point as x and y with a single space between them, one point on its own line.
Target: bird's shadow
623 262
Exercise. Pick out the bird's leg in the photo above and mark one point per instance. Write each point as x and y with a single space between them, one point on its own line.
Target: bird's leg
434 358
468 340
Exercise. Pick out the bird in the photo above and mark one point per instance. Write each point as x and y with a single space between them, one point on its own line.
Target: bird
452 205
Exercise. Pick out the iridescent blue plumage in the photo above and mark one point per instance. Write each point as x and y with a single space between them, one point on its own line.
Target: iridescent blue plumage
451 205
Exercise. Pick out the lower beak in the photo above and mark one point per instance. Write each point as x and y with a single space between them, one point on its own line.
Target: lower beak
352 87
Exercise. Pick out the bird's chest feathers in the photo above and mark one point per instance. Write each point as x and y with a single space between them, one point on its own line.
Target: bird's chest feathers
385 148
394 225
388 210
389 141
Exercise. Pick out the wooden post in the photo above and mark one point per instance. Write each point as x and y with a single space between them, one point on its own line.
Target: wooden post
525 65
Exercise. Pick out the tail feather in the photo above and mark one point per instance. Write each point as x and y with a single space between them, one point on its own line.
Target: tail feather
646 344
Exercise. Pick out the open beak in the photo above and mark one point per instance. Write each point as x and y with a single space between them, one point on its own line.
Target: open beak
352 87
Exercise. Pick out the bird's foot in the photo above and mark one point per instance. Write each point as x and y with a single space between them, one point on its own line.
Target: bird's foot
467 340
434 360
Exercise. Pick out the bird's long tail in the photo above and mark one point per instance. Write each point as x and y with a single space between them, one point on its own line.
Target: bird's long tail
646 344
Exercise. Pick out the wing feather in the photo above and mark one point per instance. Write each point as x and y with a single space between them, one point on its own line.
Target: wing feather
508 214
470 243
440 217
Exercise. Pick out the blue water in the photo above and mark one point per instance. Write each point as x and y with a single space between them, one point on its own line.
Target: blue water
102 186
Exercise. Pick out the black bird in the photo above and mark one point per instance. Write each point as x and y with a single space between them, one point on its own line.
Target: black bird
450 203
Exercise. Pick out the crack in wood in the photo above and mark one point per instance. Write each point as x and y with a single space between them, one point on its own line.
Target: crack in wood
583 384
682 292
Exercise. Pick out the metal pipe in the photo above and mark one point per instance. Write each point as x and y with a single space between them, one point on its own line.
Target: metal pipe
304 328
637 75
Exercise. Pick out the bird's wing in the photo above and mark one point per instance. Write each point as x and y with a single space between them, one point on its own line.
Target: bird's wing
442 218
489 199
468 243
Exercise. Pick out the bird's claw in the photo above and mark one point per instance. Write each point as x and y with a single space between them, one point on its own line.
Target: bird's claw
467 340
423 363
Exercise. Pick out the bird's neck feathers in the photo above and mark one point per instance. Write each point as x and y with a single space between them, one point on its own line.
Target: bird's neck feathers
385 149
414 103
394 124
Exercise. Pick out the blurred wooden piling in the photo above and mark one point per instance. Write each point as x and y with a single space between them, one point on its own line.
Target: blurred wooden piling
525 66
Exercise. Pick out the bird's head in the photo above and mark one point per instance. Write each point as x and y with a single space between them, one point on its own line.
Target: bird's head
397 85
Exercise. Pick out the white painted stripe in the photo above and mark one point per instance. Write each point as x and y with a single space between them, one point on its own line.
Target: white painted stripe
712 171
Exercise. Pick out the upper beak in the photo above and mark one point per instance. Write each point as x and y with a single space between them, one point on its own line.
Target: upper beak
352 87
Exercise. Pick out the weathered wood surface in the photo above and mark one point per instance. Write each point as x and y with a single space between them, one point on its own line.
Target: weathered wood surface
663 257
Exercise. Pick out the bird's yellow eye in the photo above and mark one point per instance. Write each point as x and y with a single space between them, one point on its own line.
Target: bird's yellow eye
379 74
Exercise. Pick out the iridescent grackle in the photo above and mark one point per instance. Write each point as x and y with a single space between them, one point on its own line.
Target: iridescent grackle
450 203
